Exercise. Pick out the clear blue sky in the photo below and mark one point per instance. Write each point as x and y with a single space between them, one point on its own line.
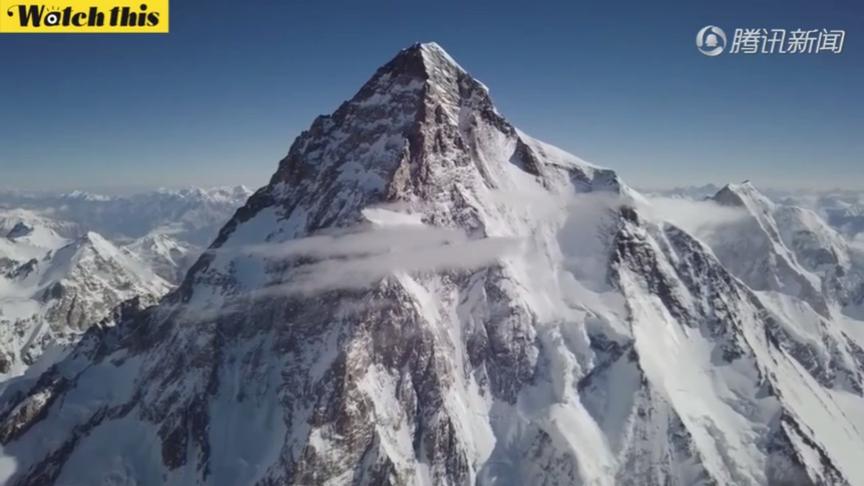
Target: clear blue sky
220 99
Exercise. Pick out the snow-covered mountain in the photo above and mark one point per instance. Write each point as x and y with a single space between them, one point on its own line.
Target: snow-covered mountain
752 248
167 229
58 276
778 246
52 289
16 222
423 294
842 210
191 216
166 256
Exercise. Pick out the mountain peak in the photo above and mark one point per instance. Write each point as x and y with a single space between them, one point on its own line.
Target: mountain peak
743 186
435 55
422 59
424 70
389 121
743 194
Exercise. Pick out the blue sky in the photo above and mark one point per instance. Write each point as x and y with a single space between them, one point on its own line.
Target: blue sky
220 99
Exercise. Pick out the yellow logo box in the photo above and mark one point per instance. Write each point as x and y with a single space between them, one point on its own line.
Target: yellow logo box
84 16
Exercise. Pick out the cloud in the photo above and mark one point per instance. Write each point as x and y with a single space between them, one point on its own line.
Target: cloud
358 241
857 242
587 233
356 258
699 218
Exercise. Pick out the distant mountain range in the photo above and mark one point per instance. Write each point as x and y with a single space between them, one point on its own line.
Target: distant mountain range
842 209
191 215
60 274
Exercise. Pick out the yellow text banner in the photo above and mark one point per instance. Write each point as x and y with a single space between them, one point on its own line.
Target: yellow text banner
83 16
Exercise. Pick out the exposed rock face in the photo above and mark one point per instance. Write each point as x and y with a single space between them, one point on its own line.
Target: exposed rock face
19 230
590 346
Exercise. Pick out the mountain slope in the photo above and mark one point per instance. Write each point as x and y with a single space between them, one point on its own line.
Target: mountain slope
423 294
52 289
753 249
166 256
57 278
788 249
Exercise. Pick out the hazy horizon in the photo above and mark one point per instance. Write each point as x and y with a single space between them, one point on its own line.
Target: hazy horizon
127 190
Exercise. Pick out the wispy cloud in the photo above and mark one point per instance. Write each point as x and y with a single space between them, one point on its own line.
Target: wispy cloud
699 218
360 256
